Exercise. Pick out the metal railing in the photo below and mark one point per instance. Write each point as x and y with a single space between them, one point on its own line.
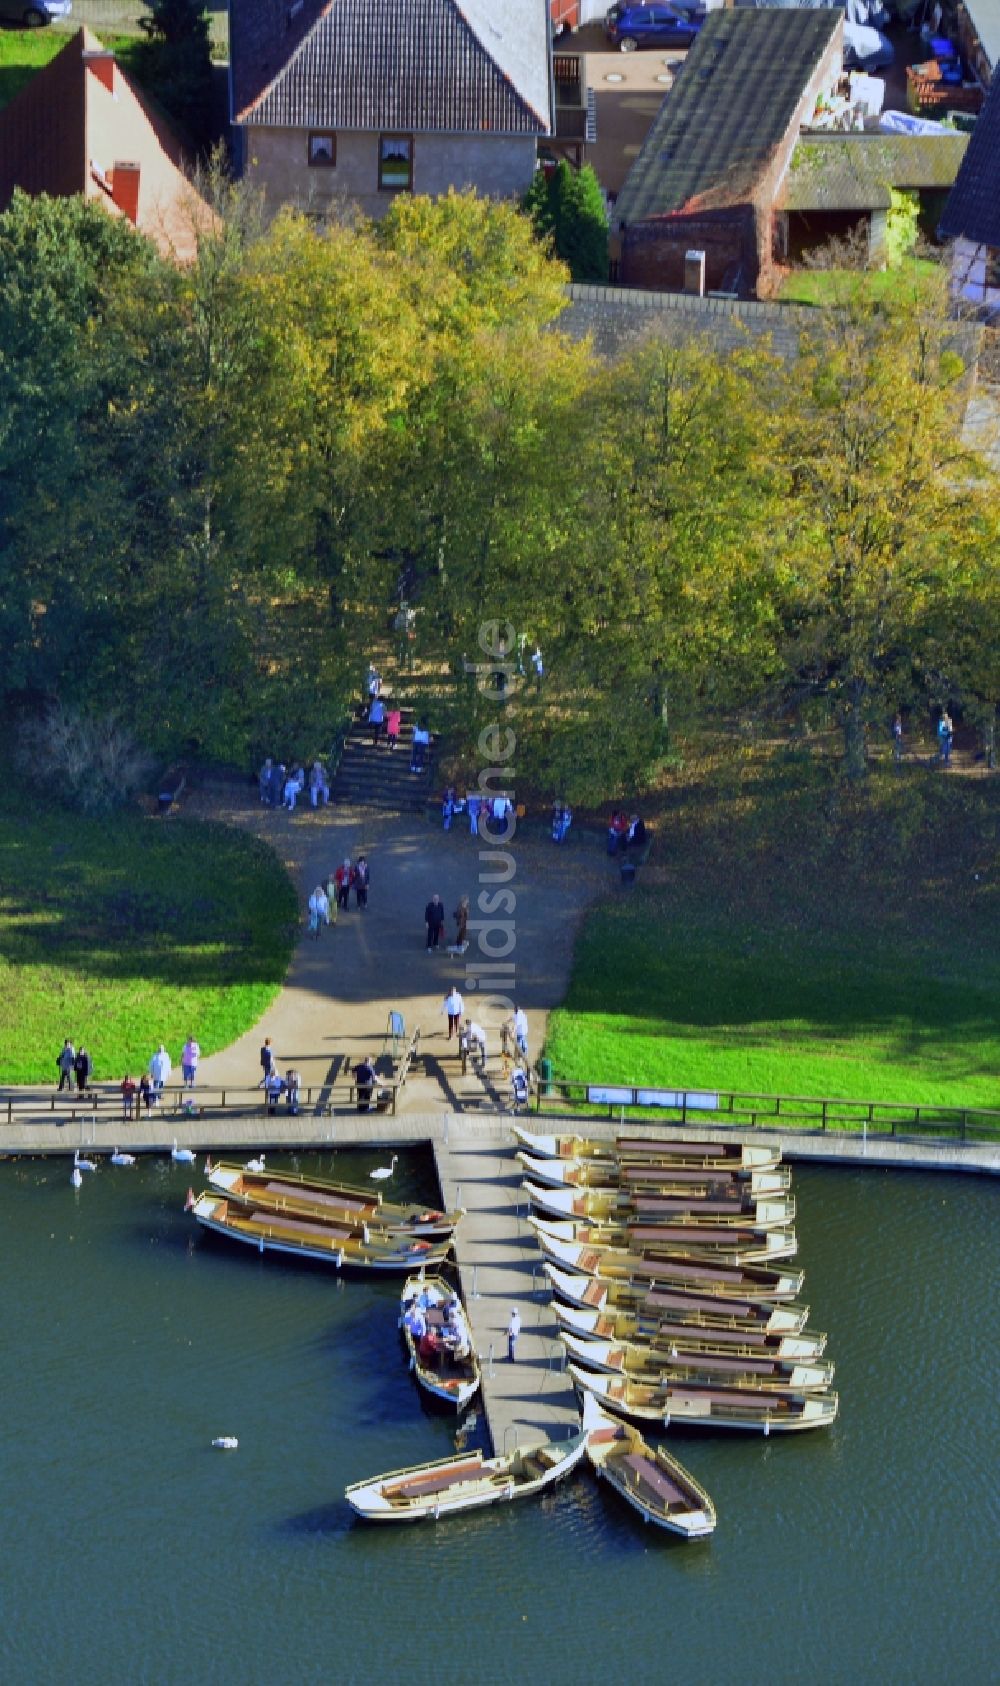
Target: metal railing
792 1113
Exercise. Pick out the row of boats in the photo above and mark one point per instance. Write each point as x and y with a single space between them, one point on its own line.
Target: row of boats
674 1306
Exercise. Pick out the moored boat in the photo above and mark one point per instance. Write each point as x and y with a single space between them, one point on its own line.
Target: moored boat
658 1362
279 1232
652 1482
351 1208
742 1282
726 1242
729 1408
604 1175
450 1485
702 1333
731 1203
438 1339
679 1150
682 1304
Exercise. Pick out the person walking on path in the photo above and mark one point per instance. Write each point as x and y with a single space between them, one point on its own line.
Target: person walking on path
264 781
190 1055
83 1065
319 911
521 1031
65 1061
393 721
474 804
266 1061
376 719
513 1330
946 732
364 1083
343 878
434 920
897 740
454 1006
461 918
160 1067
362 877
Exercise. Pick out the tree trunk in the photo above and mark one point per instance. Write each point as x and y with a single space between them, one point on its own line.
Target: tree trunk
854 730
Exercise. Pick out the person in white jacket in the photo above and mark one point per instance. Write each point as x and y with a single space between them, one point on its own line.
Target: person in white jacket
160 1067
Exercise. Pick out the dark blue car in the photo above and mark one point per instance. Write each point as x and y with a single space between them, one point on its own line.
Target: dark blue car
629 27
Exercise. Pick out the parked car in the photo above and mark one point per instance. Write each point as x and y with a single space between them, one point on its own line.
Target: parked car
33 14
629 27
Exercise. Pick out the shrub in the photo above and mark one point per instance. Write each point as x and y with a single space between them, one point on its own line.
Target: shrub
90 761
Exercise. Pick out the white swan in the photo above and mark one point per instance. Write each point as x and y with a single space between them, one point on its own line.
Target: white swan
76 1177
226 1442
83 1164
379 1175
181 1155
122 1158
255 1166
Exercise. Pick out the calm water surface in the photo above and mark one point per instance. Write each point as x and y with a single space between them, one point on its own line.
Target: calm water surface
133 1552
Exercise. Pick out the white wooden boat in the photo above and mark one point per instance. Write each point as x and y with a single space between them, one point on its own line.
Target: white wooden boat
678 1302
468 1482
688 1265
680 1150
356 1209
658 1362
444 1360
278 1232
652 1482
606 1175
723 1202
729 1408
700 1334
725 1242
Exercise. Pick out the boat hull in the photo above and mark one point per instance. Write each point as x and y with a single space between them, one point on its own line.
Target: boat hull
424 1493
761 1413
336 1251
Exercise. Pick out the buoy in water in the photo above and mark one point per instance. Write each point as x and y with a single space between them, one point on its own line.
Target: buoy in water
225 1443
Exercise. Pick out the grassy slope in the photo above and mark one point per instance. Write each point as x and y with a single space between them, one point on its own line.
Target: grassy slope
128 931
791 937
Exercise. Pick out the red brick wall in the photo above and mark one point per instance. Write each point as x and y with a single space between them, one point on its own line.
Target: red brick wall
652 252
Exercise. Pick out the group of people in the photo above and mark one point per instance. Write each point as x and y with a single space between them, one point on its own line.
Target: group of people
281 786
274 1085
435 919
562 819
436 1326
76 1064
333 895
625 831
491 810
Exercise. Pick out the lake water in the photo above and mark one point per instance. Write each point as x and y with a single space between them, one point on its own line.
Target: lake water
133 1552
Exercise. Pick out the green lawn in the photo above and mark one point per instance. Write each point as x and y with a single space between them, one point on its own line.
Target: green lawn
835 286
801 940
22 52
128 931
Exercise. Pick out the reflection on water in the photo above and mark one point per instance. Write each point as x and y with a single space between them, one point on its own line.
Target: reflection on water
133 1551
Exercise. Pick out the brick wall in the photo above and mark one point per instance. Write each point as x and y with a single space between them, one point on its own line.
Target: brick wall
652 253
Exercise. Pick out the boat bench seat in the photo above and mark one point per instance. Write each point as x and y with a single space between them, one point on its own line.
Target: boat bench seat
601 1436
648 1475
421 1486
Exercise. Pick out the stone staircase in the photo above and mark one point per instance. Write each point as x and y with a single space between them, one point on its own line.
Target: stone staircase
371 777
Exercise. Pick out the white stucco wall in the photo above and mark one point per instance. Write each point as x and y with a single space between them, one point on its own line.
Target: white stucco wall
277 159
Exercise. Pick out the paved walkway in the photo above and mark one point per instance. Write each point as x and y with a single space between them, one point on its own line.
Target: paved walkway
340 989
531 1400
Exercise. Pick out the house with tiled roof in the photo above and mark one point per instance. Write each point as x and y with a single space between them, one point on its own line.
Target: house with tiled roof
972 215
338 102
709 173
81 126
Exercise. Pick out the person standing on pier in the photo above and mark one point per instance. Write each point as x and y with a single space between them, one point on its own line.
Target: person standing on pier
434 919
454 1006
65 1061
513 1330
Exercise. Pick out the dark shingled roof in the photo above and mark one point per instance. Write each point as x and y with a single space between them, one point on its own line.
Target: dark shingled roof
727 111
457 66
973 208
854 172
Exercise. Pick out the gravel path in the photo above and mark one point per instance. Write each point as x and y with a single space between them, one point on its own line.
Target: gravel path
340 989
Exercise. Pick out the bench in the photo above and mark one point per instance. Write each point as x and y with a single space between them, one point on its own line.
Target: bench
171 787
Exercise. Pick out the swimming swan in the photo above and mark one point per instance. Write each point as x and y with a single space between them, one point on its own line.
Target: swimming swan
255 1166
181 1155
76 1177
226 1442
83 1164
379 1175
122 1158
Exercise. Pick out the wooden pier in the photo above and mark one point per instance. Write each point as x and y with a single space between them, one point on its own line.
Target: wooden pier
532 1399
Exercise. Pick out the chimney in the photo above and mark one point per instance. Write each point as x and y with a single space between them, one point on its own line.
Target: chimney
694 273
102 63
125 189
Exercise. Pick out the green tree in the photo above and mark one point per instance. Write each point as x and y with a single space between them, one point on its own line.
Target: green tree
566 208
175 62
